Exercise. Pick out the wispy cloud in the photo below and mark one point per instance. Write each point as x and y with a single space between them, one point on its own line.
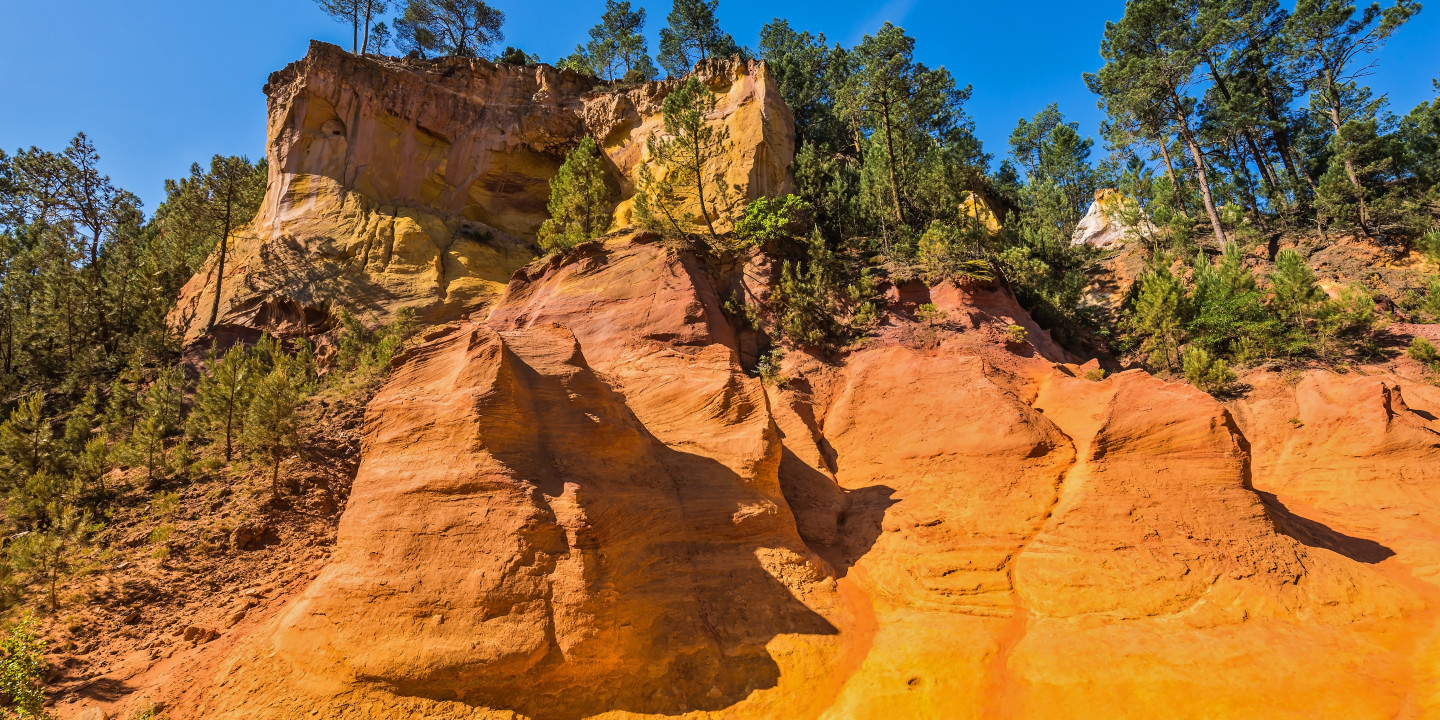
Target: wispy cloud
894 11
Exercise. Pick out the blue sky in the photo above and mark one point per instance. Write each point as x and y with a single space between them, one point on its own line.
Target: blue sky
159 84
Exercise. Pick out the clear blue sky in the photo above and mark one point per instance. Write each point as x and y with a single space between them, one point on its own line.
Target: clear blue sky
159 84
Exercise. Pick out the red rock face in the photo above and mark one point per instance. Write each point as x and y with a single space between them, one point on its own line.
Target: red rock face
584 507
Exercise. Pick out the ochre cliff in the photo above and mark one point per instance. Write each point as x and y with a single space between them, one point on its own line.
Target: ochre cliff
574 502
401 183
582 506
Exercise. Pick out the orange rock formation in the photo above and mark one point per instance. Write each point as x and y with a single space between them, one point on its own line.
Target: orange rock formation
578 504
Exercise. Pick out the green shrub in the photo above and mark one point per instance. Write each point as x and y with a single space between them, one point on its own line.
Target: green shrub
769 368
1429 245
1207 373
1423 351
770 221
22 670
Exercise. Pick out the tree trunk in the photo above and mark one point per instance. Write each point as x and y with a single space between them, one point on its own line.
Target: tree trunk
1174 182
890 163
1247 181
1203 179
220 267
700 188
365 39
1349 164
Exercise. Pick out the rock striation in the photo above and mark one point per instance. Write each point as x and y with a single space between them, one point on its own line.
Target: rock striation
404 183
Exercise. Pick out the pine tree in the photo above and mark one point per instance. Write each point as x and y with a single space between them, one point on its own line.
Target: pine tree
1151 58
908 127
1327 40
462 28
222 397
349 12
50 553
1159 317
693 34
271 426
1296 292
579 201
674 177
26 440
231 185
617 47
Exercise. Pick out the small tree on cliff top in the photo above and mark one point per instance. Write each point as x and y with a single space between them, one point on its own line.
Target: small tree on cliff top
682 154
464 28
579 200
694 34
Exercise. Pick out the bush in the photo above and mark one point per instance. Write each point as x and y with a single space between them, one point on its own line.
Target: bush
22 670
1207 373
1424 352
771 221
1429 245
1016 335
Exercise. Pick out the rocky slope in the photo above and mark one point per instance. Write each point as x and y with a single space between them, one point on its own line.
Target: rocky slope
574 502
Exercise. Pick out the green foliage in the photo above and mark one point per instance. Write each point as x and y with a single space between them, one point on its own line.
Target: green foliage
692 34
363 354
1228 315
1423 351
358 14
1228 309
617 49
516 56
580 205
48 554
1159 317
272 431
673 180
930 313
1296 292
1429 245
1209 374
769 368
814 306
773 221
1418 138
950 253
222 397
918 154
462 28
22 671
1056 159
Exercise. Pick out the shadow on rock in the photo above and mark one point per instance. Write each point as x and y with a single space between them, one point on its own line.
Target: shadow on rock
1318 535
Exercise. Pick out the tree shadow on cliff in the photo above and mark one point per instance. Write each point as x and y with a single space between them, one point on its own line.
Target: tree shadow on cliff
1318 535
678 593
